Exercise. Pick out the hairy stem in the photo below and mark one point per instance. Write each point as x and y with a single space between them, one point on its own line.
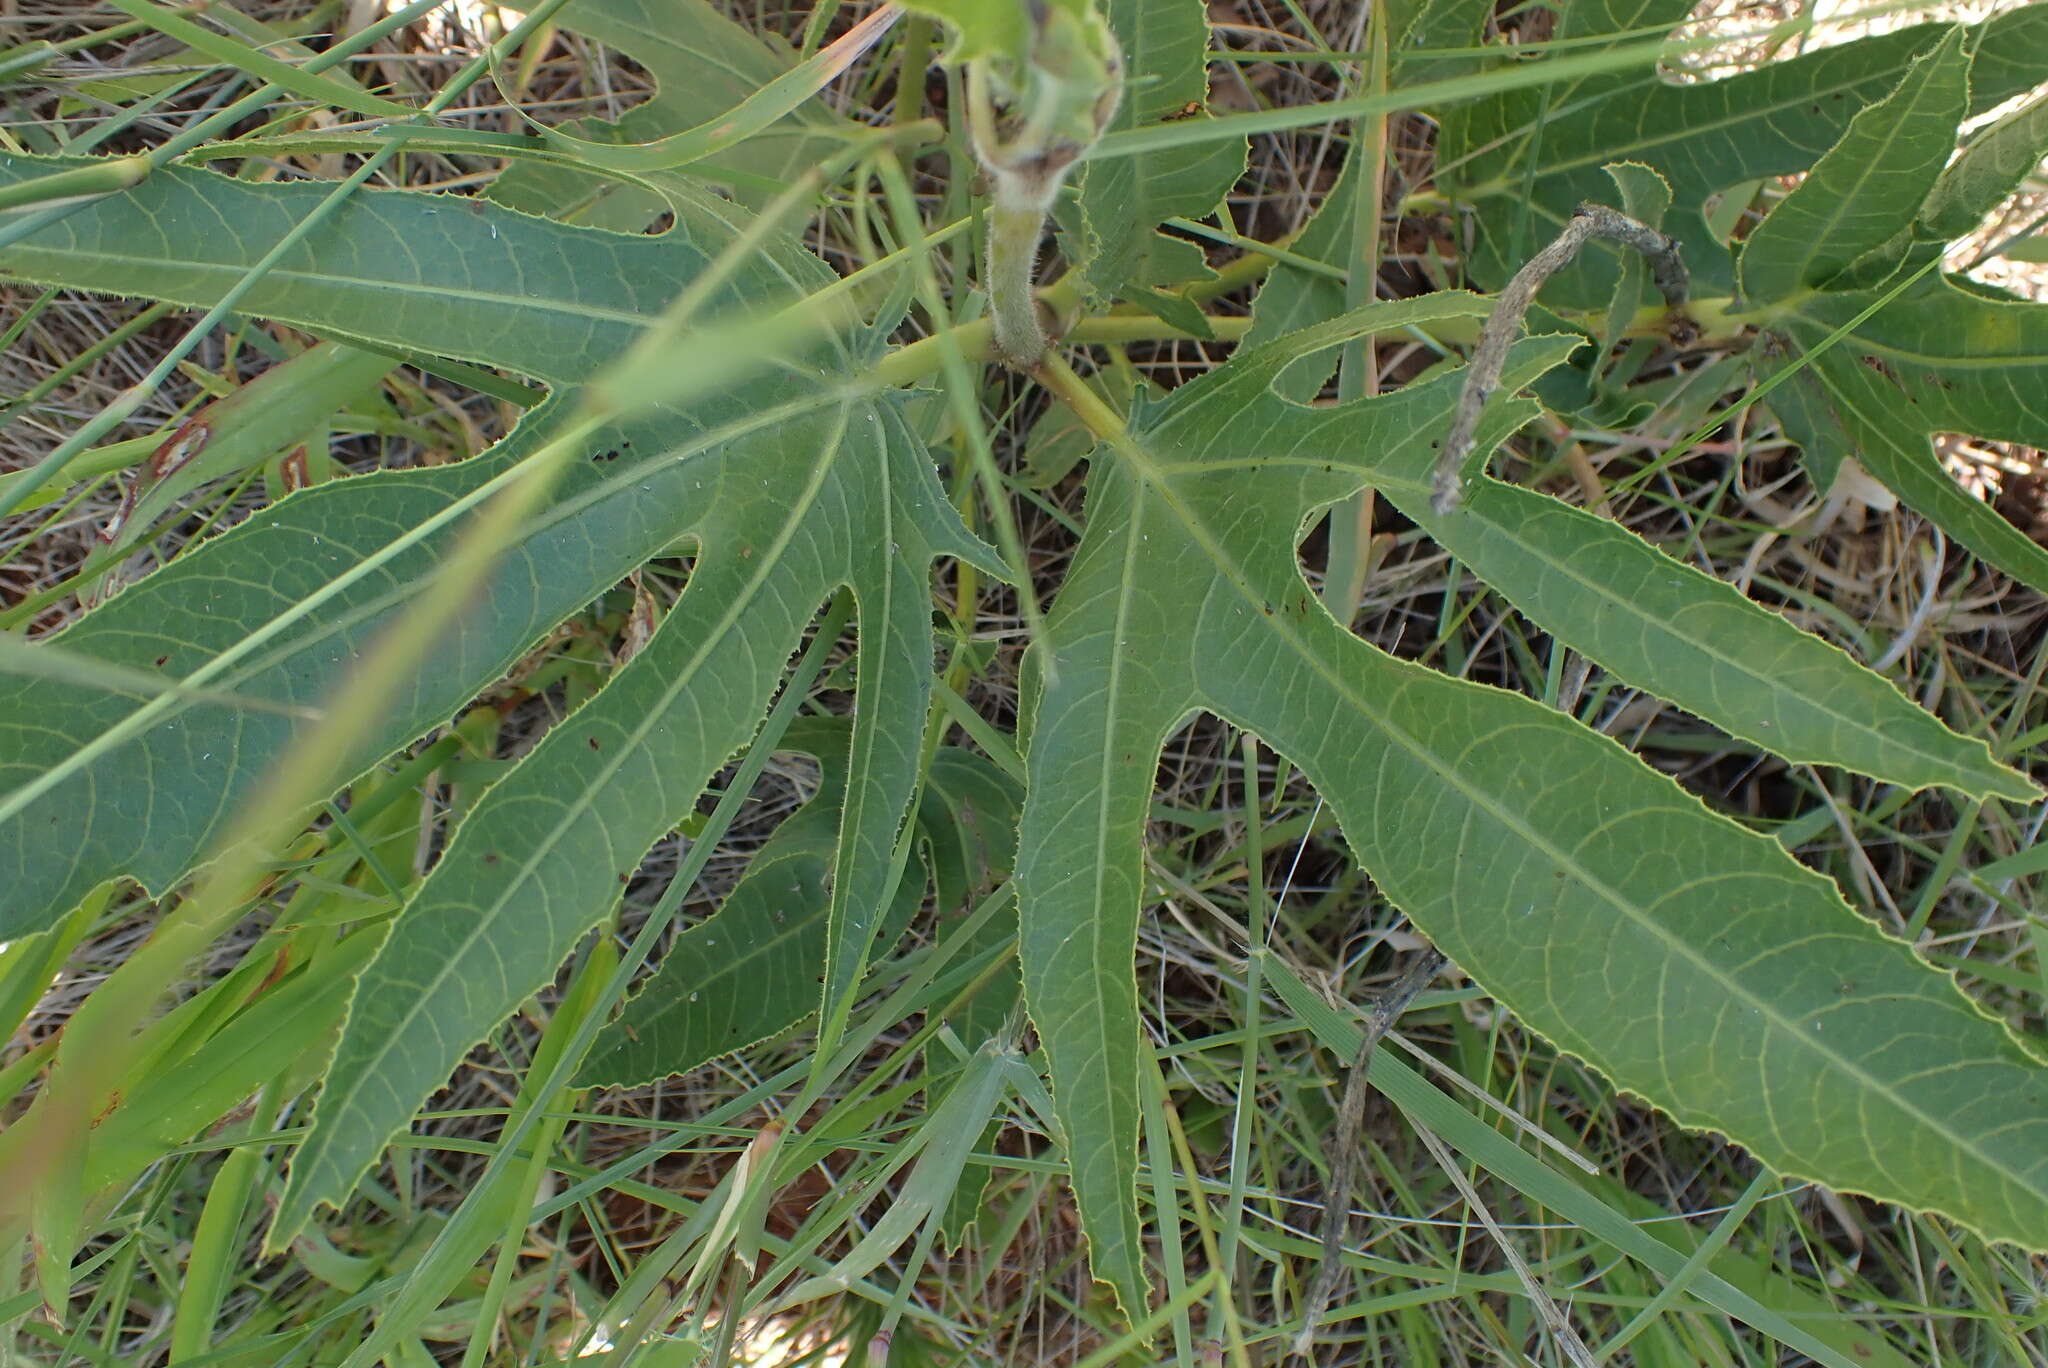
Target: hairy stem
1013 233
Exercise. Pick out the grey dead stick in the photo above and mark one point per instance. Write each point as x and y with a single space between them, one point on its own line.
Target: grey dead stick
1482 376
1344 1144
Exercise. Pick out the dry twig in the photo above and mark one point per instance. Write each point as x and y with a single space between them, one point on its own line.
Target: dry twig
1344 1142
1588 221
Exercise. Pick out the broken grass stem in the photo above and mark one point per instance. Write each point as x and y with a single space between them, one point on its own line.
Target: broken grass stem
1667 271
1344 1143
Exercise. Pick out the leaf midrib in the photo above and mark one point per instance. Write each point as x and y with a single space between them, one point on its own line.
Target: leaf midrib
1103 788
359 285
1936 362
1837 205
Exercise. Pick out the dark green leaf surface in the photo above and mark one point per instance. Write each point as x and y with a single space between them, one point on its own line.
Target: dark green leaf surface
751 969
1665 627
1948 356
1689 960
1123 200
548 850
1866 191
1523 159
436 273
703 64
791 487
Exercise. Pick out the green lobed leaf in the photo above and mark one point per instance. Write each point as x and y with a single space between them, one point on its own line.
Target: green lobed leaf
750 970
1993 164
1947 356
849 498
703 65
1865 192
1665 627
1525 158
792 486
427 271
1686 958
1122 200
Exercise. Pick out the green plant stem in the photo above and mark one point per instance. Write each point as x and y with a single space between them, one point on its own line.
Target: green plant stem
915 46
1013 233
1350 534
976 341
217 1240
948 357
1070 389
78 185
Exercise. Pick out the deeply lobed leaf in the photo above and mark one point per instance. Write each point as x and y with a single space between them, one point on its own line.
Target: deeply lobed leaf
1687 959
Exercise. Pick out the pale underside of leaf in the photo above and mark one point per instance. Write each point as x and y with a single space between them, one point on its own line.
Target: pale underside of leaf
1687 959
852 501
149 807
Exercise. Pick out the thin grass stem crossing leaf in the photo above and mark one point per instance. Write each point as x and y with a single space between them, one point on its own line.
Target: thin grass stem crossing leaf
1597 1205
1687 959
703 64
757 110
1661 625
790 486
442 276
